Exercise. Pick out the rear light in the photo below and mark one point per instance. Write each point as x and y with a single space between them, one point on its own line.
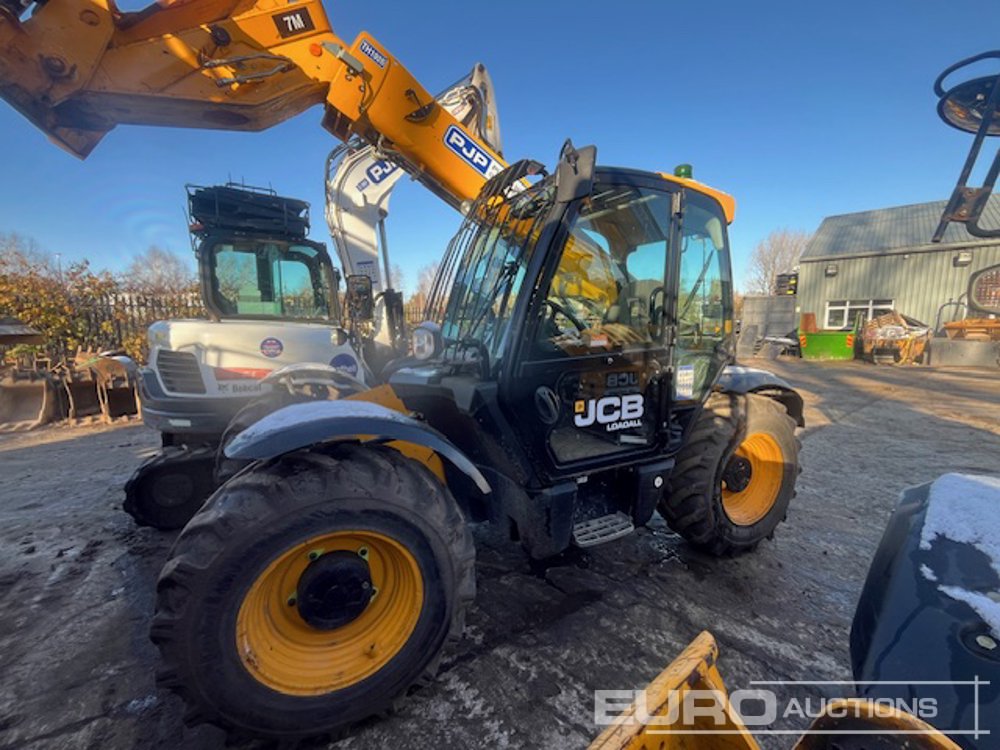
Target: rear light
240 373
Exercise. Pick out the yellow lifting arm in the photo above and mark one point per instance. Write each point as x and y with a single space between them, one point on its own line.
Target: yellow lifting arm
78 68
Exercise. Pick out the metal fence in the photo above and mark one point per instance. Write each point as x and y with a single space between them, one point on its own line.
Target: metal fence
117 321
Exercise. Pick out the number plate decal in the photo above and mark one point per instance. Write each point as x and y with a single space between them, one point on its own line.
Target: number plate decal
294 22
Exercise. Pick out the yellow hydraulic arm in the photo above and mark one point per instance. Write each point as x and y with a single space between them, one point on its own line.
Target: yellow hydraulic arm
78 68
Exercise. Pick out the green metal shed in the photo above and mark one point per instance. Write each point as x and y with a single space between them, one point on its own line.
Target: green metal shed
873 261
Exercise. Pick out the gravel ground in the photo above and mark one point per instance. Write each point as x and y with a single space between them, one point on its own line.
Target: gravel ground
76 583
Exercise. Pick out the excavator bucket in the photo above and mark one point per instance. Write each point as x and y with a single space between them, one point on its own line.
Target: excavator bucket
28 397
652 723
858 724
99 385
28 400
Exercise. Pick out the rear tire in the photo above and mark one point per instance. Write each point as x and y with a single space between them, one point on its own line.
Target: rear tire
734 479
236 640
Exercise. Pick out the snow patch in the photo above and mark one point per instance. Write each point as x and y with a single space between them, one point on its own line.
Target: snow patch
986 607
141 705
966 509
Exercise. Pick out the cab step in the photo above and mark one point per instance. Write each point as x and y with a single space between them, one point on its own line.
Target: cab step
603 529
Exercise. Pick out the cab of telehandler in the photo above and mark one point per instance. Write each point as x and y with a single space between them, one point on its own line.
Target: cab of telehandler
616 304
581 324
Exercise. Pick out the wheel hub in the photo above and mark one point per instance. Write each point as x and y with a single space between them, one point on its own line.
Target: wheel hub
334 590
738 474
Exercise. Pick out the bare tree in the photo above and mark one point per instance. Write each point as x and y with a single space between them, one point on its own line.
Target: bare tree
158 271
398 278
425 280
777 253
20 252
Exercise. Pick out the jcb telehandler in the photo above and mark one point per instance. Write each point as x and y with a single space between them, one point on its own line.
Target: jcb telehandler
574 376
575 383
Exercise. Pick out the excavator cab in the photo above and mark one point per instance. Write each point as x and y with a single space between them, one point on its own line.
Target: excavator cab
261 278
254 259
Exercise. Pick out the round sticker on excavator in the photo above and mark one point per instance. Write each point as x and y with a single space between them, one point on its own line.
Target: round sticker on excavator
271 347
346 363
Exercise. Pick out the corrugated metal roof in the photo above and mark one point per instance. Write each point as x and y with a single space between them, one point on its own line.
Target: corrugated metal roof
13 331
888 229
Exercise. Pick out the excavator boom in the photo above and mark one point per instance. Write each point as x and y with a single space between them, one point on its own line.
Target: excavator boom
78 68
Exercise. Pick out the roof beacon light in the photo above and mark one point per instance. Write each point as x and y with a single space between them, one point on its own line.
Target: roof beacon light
684 171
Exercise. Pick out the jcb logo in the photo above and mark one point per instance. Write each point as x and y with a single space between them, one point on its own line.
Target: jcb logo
471 152
622 379
615 412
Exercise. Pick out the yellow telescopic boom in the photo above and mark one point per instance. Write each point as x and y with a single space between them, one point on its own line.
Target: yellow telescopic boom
78 68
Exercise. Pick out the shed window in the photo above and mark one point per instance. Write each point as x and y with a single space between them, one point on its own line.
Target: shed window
844 313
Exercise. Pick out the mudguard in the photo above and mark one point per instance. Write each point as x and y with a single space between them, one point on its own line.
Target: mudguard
301 425
739 379
923 622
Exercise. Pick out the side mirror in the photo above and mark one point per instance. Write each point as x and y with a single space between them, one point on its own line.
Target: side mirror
575 172
984 291
360 300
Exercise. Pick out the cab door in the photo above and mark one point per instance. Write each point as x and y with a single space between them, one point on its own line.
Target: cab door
704 343
588 388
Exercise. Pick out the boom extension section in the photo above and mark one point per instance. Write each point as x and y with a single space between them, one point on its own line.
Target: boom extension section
78 68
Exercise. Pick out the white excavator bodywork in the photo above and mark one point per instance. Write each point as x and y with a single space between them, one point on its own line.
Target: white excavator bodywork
201 372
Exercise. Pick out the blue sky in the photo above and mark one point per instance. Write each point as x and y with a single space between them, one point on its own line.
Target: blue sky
800 109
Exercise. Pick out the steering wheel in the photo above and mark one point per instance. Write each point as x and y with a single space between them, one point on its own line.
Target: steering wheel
557 308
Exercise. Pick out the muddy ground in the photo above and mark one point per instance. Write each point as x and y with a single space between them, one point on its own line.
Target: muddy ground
76 583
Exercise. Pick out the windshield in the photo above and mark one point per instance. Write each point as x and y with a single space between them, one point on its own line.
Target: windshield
256 278
607 293
486 263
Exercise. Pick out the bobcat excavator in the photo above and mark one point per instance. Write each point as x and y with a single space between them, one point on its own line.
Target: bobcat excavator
574 376
278 333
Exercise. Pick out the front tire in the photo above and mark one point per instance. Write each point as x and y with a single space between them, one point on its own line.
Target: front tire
735 477
311 591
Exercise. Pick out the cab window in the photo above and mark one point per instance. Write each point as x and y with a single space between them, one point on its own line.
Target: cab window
704 302
265 279
607 293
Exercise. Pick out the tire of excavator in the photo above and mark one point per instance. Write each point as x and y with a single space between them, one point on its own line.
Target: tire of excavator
169 488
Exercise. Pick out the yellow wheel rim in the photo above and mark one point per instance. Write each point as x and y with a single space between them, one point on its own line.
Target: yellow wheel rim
283 651
752 479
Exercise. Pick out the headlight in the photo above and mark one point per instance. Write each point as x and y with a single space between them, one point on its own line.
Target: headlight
426 340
